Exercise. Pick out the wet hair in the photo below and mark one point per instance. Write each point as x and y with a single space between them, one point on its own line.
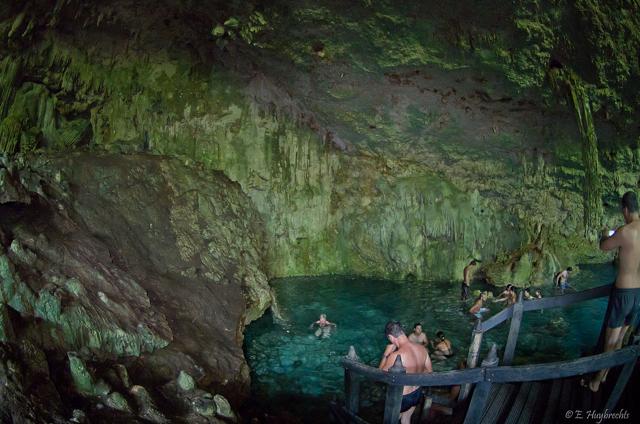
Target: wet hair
393 328
569 269
473 262
440 335
417 324
323 316
509 287
630 201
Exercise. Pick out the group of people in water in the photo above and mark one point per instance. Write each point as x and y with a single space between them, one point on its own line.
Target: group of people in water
625 309
624 306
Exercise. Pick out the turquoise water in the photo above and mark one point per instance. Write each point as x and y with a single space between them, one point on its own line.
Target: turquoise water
290 365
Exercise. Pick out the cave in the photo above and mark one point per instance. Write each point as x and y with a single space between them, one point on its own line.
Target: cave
185 186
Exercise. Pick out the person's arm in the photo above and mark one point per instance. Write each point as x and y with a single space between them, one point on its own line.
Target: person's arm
388 358
312 324
428 367
610 243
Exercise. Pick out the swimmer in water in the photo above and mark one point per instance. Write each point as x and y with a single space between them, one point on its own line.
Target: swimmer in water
417 336
477 309
538 294
441 347
324 326
527 294
508 295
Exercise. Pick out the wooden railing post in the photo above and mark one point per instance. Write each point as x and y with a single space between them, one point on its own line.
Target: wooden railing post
352 385
621 383
514 330
394 395
481 392
472 357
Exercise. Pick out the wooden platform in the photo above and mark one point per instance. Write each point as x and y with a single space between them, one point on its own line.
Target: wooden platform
539 402
494 391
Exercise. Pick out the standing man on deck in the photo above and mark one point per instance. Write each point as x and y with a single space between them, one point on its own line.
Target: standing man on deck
466 274
415 359
625 297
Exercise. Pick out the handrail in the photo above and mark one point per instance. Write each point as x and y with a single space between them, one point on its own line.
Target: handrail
489 373
496 319
445 378
501 374
562 369
546 303
568 299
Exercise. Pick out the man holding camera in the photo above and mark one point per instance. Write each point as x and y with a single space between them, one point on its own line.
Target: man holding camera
625 297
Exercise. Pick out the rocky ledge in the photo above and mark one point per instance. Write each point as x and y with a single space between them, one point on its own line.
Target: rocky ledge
125 286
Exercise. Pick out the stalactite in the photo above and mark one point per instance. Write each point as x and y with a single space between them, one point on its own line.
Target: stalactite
592 187
9 70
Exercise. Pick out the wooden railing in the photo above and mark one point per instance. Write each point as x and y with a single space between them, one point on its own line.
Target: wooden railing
489 372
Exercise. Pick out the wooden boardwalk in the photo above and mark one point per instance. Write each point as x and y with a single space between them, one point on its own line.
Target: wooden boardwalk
538 402
493 392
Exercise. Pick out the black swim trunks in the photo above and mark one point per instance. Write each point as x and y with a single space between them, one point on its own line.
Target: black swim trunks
625 305
410 400
464 292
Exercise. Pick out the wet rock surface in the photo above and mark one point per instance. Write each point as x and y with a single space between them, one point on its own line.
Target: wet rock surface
128 272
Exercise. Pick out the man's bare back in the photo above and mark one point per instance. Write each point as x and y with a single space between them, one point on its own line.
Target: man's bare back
415 359
627 239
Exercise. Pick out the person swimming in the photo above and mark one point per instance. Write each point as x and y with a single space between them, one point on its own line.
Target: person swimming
526 294
418 336
324 326
441 347
477 309
508 295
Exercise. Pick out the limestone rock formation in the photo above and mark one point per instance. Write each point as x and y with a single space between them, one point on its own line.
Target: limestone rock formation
130 258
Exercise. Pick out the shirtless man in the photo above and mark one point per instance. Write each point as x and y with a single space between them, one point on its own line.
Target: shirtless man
418 336
625 297
415 359
324 326
562 279
468 271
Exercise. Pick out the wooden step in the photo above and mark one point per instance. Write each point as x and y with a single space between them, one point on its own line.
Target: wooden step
500 403
550 413
518 404
529 410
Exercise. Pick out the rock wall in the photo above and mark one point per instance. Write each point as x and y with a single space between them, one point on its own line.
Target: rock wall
131 259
